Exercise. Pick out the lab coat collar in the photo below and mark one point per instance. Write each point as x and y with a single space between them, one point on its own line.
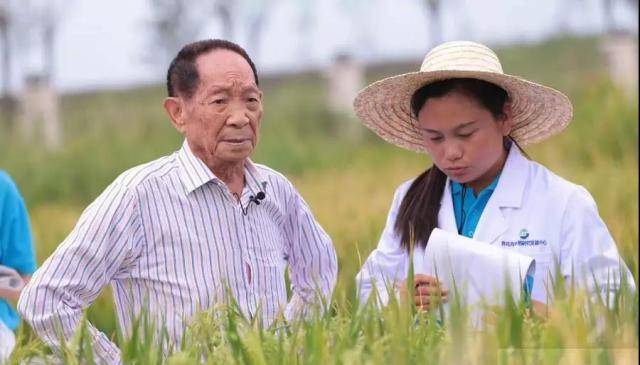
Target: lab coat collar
510 189
508 193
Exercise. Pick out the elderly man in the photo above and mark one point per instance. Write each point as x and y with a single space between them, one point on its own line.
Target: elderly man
178 234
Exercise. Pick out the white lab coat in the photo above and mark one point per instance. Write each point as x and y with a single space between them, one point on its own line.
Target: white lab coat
533 211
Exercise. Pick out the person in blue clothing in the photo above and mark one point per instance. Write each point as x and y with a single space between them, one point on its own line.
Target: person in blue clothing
16 253
472 120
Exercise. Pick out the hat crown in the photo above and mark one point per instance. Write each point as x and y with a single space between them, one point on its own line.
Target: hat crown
461 56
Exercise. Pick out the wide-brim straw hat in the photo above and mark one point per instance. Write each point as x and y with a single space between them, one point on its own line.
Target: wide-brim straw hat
538 111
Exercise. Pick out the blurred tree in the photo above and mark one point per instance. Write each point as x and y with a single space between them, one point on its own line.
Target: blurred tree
608 13
225 11
32 25
257 13
7 100
304 25
50 19
15 21
363 44
41 21
609 19
633 3
173 24
5 25
434 21
178 22
49 32
634 9
564 11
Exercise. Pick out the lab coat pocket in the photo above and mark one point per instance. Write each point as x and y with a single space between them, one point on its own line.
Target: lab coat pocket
545 267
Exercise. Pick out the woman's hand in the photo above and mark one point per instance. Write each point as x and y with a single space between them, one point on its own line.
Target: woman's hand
428 292
539 309
12 295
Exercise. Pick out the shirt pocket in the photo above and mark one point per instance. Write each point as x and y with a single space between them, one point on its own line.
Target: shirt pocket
265 253
266 245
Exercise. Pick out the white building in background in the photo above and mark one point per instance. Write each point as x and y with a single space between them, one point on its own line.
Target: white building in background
38 118
620 51
345 77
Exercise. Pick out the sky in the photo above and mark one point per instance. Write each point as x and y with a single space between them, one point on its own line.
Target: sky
106 44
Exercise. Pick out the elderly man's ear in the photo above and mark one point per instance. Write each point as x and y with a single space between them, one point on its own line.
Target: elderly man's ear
175 109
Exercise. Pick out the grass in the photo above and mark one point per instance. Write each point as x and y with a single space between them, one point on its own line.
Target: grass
349 185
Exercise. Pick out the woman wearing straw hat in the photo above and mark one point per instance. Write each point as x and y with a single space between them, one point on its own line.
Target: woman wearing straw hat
472 119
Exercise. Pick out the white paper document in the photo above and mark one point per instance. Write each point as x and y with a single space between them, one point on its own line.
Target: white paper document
480 271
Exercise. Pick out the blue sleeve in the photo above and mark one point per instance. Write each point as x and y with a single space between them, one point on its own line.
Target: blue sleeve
16 245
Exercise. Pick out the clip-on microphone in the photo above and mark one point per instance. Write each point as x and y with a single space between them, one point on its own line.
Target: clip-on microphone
255 199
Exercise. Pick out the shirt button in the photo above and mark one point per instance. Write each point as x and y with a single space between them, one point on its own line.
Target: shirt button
470 233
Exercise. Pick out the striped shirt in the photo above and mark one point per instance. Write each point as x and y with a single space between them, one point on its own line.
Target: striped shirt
170 238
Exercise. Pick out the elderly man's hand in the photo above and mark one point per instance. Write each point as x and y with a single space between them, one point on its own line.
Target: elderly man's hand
428 292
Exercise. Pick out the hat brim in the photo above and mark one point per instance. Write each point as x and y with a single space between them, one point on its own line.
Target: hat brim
538 111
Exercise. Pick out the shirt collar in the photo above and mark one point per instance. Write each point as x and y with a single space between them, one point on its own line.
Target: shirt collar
194 172
456 188
254 180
